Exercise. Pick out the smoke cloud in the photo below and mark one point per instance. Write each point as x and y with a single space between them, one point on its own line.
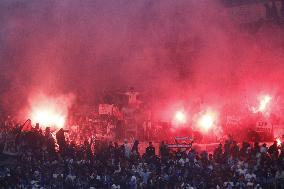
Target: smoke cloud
167 49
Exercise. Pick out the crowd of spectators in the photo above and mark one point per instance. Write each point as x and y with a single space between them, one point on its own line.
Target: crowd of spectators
46 160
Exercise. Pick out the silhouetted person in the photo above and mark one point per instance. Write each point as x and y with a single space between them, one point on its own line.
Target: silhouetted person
164 150
218 153
134 149
235 149
133 98
273 149
50 142
150 150
61 139
256 148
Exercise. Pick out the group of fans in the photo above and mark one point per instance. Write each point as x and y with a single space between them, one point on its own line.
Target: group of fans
48 160
36 158
119 116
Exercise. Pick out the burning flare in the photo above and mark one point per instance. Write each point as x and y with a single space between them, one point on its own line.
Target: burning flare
180 117
49 111
206 121
47 116
264 102
278 141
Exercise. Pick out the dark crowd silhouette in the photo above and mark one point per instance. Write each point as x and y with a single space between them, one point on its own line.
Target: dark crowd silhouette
43 159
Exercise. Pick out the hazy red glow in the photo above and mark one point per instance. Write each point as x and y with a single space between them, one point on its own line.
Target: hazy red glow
173 45
178 54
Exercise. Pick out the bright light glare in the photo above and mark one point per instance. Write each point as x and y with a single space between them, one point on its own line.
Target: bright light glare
206 121
48 111
180 117
278 141
47 117
264 103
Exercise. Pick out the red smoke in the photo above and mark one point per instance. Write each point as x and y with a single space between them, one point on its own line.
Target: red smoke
167 49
